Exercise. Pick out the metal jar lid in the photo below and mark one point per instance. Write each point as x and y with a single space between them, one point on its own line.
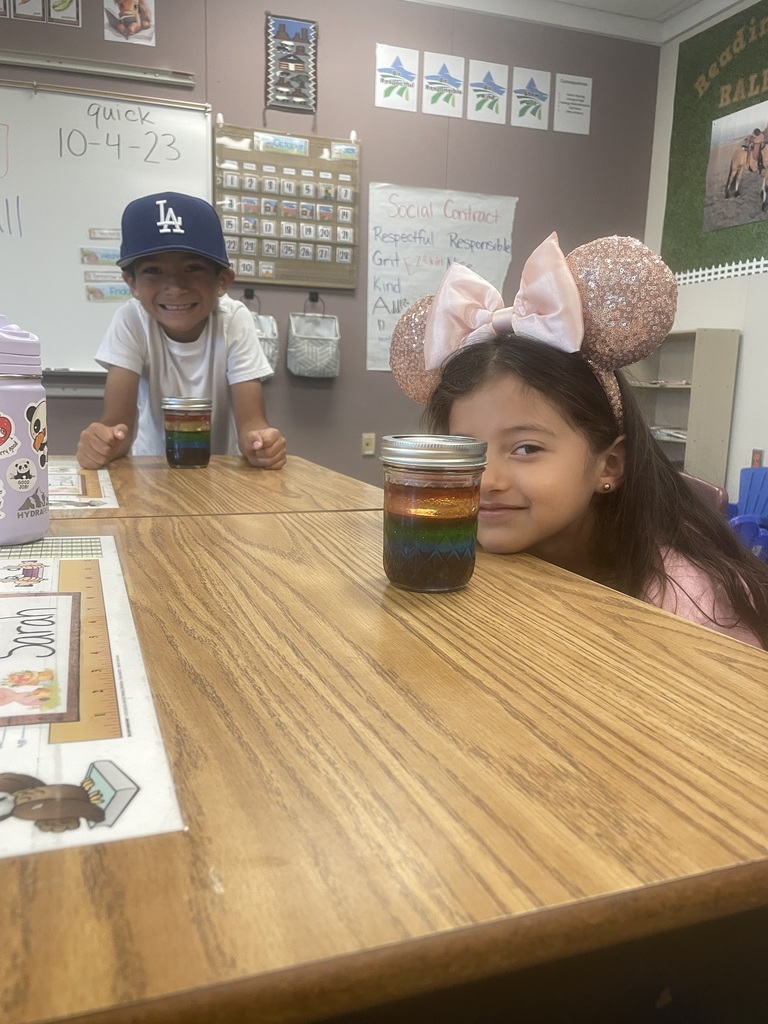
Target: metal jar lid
433 451
187 404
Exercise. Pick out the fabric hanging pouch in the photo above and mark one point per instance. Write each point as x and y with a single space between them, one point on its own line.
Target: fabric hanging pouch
266 328
313 344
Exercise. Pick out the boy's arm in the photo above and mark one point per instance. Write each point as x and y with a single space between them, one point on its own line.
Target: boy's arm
112 437
261 445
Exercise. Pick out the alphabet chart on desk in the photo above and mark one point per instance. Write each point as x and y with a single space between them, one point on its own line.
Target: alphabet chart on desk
82 759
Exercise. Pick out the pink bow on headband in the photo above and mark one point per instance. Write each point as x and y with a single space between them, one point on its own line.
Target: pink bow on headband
466 309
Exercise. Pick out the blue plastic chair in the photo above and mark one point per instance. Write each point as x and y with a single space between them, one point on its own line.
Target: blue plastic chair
749 517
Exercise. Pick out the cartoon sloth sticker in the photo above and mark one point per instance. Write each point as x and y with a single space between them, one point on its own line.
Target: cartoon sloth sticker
38 430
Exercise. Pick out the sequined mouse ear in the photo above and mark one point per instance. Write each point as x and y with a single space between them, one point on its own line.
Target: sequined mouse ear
629 296
406 353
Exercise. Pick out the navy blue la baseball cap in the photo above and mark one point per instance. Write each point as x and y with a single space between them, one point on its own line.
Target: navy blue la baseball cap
171 220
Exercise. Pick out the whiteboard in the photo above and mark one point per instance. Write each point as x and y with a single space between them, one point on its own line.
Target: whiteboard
69 164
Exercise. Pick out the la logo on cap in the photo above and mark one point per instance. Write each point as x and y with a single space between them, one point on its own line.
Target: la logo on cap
168 221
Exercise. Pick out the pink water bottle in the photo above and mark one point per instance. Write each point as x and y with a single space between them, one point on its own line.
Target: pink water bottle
23 438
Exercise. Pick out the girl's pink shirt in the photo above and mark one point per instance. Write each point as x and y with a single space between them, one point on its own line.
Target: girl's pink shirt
691 594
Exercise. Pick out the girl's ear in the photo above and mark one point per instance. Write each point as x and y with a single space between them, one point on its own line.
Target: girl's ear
614 462
226 277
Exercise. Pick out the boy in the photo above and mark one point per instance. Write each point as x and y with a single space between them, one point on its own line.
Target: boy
180 335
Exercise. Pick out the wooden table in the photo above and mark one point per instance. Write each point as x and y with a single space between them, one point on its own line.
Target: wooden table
390 793
147 486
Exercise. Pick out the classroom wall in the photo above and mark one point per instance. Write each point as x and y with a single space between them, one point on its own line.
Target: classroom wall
581 186
736 302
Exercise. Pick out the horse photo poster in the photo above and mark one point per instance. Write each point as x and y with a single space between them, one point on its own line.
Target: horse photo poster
717 193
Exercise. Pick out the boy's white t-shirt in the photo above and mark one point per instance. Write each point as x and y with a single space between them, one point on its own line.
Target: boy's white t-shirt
227 352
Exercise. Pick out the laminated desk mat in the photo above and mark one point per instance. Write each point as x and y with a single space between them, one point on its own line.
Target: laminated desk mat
82 760
71 486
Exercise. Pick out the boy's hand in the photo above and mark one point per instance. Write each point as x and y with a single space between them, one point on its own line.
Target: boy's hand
264 448
99 443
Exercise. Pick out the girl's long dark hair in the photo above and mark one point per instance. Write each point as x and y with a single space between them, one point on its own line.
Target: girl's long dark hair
653 509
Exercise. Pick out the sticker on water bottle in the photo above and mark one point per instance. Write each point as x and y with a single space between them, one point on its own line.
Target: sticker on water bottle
38 430
22 475
9 443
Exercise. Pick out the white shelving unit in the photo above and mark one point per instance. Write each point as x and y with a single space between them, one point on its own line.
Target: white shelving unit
685 391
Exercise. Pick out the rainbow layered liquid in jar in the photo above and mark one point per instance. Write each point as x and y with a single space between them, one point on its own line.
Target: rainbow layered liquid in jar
431 500
187 432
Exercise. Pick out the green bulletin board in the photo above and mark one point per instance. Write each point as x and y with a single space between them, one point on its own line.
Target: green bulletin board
721 101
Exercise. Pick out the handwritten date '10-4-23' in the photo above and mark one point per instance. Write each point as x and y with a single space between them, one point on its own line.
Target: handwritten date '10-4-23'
157 147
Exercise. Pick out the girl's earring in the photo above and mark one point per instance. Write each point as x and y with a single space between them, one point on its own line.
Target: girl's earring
606 487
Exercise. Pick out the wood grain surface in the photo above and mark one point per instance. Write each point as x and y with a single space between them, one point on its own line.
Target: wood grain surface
147 486
386 792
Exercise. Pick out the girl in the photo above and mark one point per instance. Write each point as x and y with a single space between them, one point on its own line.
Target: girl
574 475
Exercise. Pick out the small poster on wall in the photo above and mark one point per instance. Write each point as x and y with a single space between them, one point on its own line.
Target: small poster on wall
130 21
397 70
291 64
573 104
487 92
531 91
442 85
64 12
28 10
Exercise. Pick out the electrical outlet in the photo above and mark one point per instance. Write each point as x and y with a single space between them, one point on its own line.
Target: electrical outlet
369 444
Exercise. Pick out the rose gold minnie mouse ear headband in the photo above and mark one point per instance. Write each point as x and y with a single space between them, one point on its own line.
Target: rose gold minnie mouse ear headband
612 300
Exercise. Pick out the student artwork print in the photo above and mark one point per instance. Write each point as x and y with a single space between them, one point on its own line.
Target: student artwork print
64 12
487 92
130 21
442 85
716 217
28 10
291 64
531 91
397 70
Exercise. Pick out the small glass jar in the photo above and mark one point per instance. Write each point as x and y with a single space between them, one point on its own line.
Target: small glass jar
187 432
431 500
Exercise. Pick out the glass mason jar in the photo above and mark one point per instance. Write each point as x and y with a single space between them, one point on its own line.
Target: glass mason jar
431 499
187 431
